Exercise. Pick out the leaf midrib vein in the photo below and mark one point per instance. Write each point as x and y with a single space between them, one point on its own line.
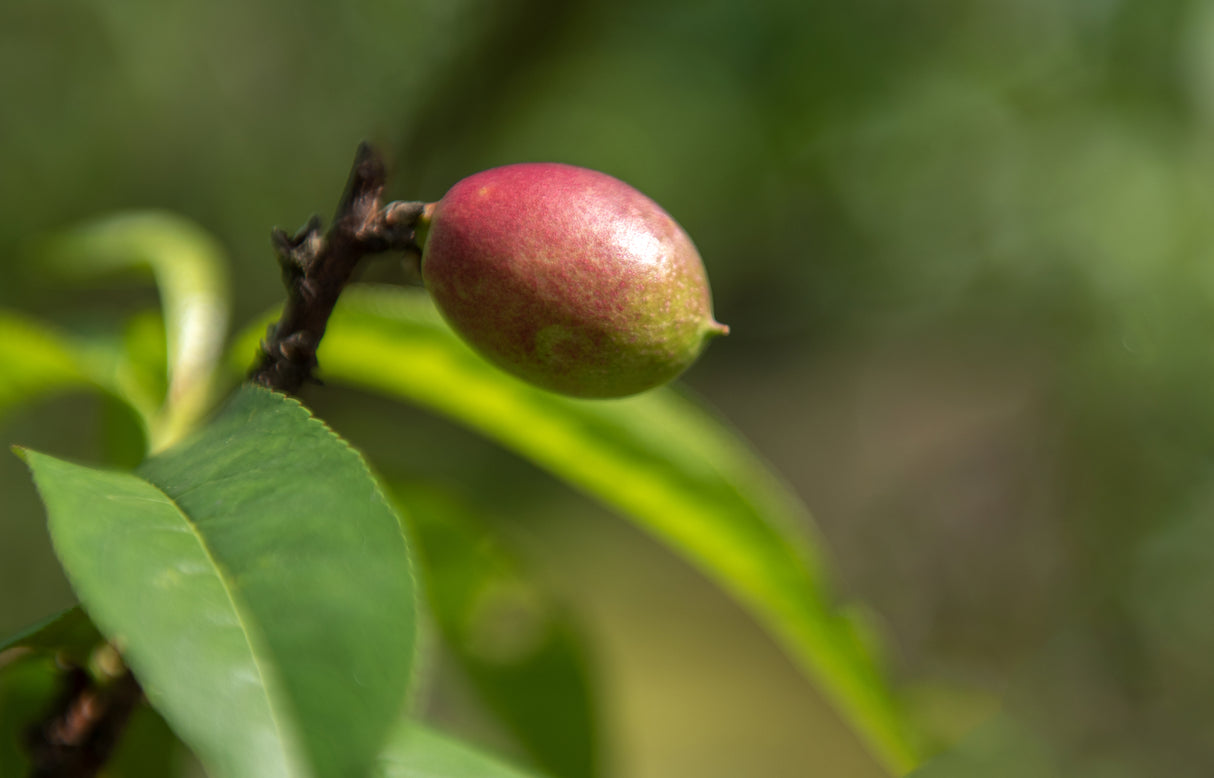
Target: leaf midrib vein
241 618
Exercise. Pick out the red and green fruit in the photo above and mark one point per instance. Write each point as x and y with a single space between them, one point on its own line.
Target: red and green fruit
568 278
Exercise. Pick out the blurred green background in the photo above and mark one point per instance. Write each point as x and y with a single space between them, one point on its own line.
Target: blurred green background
964 247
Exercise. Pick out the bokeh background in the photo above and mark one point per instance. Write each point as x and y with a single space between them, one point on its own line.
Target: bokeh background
966 250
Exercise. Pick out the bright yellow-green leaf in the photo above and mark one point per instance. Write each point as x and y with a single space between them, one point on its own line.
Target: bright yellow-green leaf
190 271
35 361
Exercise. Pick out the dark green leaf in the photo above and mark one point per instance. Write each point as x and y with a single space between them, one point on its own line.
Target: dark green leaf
147 748
661 462
68 632
416 752
517 647
257 583
27 689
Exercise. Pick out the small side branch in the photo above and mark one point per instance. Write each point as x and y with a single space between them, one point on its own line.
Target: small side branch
316 267
78 735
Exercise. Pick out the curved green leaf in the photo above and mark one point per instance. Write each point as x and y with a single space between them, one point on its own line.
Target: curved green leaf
517 647
657 459
189 267
257 583
417 752
35 361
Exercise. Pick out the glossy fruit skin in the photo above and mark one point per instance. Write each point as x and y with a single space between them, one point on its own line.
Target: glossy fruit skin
568 278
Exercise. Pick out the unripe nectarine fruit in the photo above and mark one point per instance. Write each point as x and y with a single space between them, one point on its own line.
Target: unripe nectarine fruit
568 278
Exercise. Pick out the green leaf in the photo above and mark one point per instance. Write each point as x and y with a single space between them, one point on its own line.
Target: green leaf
35 361
256 581
189 268
519 649
661 462
68 632
417 752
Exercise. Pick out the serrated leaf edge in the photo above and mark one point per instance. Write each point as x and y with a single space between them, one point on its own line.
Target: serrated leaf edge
221 574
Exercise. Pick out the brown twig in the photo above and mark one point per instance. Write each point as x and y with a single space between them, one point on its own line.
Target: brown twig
79 734
317 267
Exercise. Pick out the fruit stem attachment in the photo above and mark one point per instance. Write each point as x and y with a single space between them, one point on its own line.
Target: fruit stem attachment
316 267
